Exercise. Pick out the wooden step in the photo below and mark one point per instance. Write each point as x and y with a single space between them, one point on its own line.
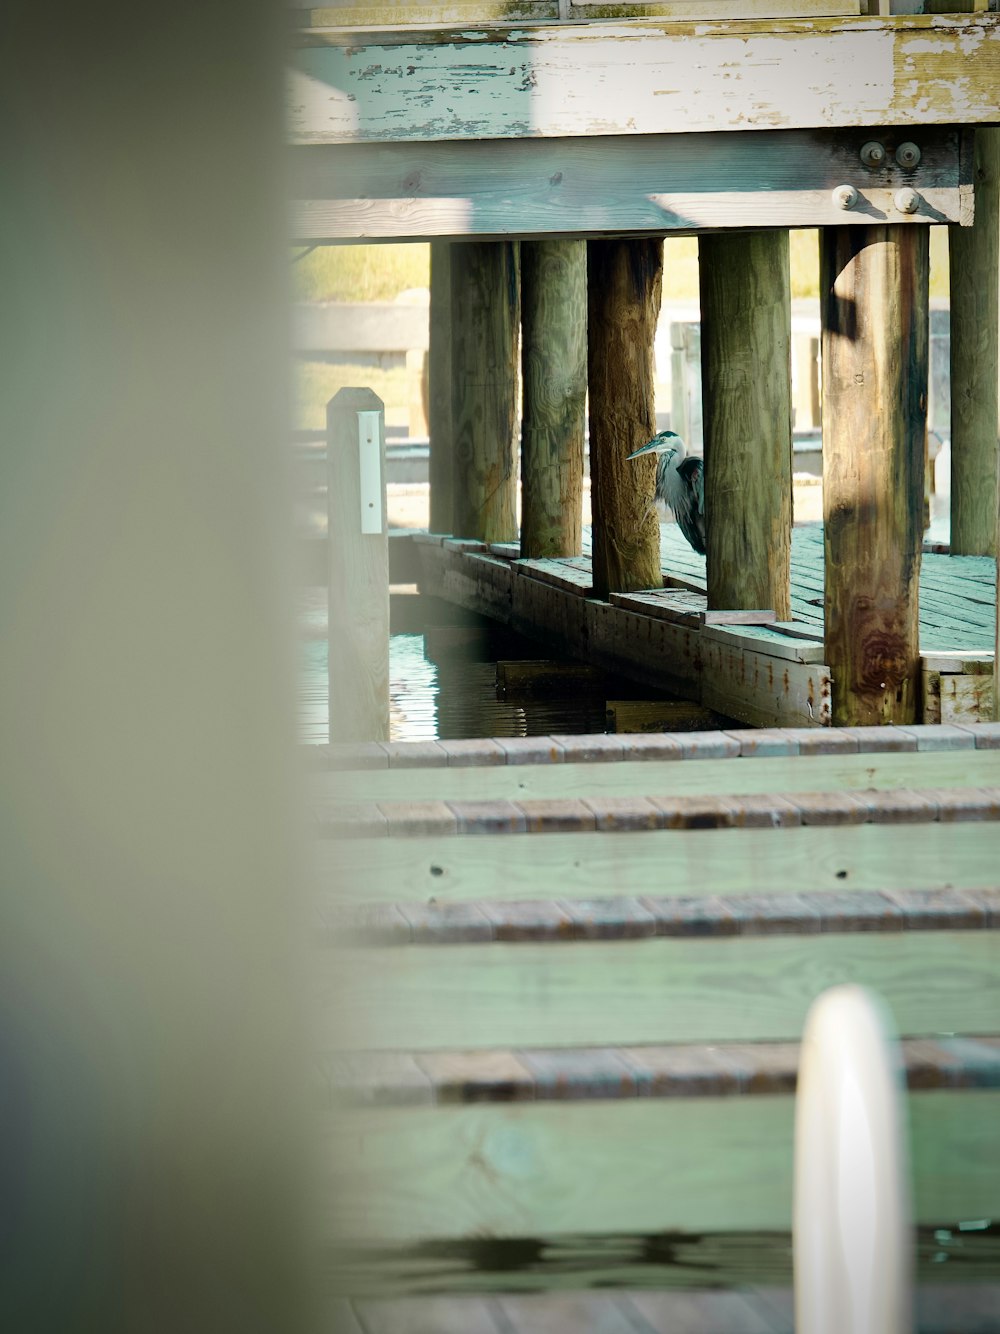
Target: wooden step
744 742
594 863
939 1308
447 1078
623 918
415 1187
752 986
738 810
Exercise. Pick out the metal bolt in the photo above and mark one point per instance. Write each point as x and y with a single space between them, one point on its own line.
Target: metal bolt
907 200
872 154
845 196
908 156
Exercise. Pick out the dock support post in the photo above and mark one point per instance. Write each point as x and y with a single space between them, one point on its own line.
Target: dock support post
747 412
439 428
973 263
485 310
358 567
873 290
624 280
554 379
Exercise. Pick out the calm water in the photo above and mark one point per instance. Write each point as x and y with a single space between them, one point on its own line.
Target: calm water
443 681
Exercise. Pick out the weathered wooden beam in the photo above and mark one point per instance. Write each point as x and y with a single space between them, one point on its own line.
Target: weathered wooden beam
873 291
554 375
442 443
633 183
973 264
624 280
485 308
727 1161
747 413
655 78
657 990
357 568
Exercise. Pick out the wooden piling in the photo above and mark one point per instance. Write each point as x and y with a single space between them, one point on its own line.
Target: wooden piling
554 376
973 253
747 413
624 279
358 564
439 427
485 308
873 286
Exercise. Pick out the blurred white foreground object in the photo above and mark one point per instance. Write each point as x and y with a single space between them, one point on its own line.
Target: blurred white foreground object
852 1233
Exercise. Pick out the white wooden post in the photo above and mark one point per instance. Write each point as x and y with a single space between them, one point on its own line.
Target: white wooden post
358 566
852 1237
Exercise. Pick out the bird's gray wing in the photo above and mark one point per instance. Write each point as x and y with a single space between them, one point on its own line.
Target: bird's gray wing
690 508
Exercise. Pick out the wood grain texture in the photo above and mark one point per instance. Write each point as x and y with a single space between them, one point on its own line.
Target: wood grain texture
485 307
441 465
658 78
554 374
746 387
669 989
655 183
534 1171
973 253
817 773
624 280
873 289
358 581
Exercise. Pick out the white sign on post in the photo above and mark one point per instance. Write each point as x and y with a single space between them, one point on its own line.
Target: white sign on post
370 460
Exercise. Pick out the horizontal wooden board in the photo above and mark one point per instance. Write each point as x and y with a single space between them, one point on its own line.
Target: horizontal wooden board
684 862
688 1166
778 773
766 640
659 183
740 988
391 13
655 78
762 690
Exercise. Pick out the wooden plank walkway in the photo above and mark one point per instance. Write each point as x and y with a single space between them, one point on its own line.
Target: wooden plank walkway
562 988
763 674
940 1308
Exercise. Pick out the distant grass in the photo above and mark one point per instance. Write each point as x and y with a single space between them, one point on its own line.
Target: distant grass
361 272
316 383
381 272
680 265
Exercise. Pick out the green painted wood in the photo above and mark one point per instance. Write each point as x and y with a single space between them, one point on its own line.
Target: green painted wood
796 773
742 988
746 378
684 862
689 1165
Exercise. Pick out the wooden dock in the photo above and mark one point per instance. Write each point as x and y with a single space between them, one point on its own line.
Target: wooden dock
941 1308
763 674
564 980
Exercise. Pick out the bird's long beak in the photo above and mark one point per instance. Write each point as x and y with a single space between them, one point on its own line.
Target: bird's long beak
650 447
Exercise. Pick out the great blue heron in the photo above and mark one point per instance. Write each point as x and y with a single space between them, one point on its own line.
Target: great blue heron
680 483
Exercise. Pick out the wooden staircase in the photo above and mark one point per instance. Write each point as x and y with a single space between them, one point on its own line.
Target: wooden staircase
565 979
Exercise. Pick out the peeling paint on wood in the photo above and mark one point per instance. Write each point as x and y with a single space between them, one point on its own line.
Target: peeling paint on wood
658 77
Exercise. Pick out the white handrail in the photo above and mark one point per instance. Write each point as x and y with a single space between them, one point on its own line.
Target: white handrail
852 1230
